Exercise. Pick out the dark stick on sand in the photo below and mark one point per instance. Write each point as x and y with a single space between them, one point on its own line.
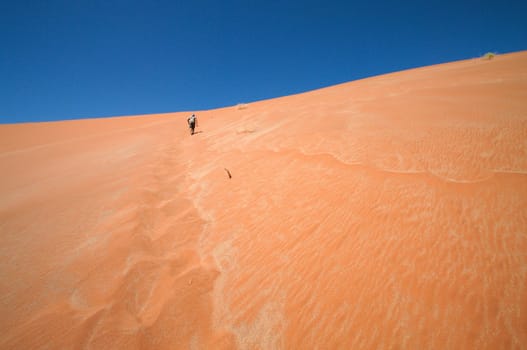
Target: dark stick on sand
228 173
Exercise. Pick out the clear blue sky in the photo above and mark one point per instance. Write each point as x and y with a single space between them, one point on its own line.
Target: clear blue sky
67 59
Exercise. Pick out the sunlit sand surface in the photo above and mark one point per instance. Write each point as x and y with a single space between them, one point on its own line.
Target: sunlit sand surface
389 212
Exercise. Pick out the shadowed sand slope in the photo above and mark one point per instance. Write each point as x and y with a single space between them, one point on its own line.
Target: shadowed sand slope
383 213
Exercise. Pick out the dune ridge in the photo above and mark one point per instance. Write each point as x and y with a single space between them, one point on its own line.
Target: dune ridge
387 212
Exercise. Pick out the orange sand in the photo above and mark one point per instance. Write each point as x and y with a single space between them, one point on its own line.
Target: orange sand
389 212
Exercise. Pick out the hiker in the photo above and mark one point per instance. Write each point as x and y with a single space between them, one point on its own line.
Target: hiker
192 121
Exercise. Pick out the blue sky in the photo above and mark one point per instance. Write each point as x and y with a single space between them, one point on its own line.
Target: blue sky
82 59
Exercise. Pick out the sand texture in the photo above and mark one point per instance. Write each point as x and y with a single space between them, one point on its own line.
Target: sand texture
385 213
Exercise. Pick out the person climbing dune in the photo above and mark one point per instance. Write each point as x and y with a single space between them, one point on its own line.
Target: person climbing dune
192 123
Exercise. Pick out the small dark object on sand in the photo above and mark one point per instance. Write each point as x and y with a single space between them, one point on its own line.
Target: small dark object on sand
228 173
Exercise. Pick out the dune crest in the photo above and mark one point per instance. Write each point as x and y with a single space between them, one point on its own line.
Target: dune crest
382 213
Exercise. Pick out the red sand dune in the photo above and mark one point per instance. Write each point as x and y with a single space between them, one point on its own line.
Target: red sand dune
389 212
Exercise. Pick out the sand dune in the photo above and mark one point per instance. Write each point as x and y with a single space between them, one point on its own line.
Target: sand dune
388 212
